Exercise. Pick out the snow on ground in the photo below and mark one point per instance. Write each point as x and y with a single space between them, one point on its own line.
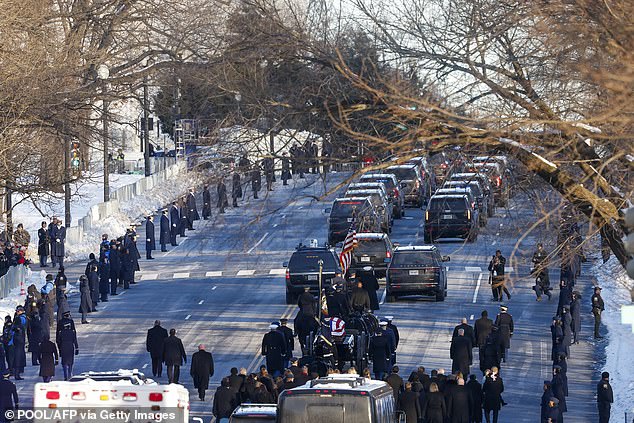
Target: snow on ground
11 301
615 286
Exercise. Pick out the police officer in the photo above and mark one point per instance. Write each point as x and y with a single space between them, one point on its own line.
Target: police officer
605 397
274 349
150 240
165 231
67 344
597 309
175 221
8 396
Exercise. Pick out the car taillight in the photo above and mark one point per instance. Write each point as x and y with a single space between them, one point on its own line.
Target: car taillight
288 275
417 184
129 396
156 397
498 180
444 165
388 254
52 395
78 396
469 214
396 191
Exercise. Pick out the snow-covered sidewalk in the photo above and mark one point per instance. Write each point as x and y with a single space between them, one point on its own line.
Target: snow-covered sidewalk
615 290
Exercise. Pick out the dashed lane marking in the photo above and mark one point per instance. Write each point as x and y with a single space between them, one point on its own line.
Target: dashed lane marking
149 276
508 270
257 243
471 317
275 225
473 269
215 273
183 275
477 288
248 272
214 288
144 366
200 302
277 272
188 316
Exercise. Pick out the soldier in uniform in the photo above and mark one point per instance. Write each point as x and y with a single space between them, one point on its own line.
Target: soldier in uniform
504 322
206 203
192 210
379 352
289 338
67 344
175 221
8 396
164 236
337 302
183 212
605 397
274 349
597 309
150 240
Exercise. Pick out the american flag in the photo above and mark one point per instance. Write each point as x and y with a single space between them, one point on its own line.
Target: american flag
349 244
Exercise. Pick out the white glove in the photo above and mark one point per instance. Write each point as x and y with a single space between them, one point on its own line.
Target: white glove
57 240
148 240
174 224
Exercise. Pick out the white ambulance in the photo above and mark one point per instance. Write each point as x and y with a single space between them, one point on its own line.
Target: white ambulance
118 396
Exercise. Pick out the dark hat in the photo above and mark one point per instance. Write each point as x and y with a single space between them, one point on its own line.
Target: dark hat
605 375
557 367
547 383
66 314
283 320
597 287
6 374
49 277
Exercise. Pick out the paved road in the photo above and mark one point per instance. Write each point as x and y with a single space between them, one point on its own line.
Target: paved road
224 284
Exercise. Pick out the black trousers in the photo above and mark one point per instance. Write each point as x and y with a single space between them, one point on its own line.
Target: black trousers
597 321
201 393
113 284
173 373
173 233
488 417
604 412
157 366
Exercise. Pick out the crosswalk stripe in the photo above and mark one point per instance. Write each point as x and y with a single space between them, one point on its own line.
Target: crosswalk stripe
277 272
183 275
215 273
246 272
149 276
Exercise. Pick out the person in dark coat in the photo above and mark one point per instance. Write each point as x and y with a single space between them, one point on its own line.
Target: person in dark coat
575 314
274 349
20 328
173 356
183 219
459 403
52 235
392 327
286 169
559 392
60 279
268 166
496 276
224 401
504 321
469 333
48 358
371 284
337 302
104 274
303 325
256 181
565 297
192 210
289 338
359 298
92 273
154 345
175 224
202 369
85 302
8 396
127 268
492 392
45 319
410 405
434 407
43 242
62 302
222 196
605 397
67 344
236 188
598 307
461 353
482 329
58 241
115 267
475 399
206 212
164 232
236 384
557 335
379 352
553 414
396 383
150 240
546 397
492 351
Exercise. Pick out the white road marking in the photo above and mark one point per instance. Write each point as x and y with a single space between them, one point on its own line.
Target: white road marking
247 272
477 288
383 296
471 317
494 242
214 288
144 366
200 302
473 269
170 251
508 270
216 273
188 316
407 218
149 276
277 272
123 292
183 275
275 225
283 216
257 243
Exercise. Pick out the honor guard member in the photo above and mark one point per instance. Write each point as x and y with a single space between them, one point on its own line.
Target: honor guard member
274 349
289 338
175 222
392 327
150 240
8 397
504 321
67 344
605 397
597 309
165 231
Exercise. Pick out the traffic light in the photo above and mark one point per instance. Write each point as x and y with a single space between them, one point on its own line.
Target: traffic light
629 241
75 158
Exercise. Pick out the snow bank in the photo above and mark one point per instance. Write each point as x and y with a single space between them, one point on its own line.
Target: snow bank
11 301
616 287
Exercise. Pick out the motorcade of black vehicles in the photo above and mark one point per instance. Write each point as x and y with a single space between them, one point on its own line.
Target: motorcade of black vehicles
482 202
499 159
302 270
485 184
450 216
373 185
392 188
254 413
410 182
374 250
347 398
379 202
498 183
416 270
346 210
426 172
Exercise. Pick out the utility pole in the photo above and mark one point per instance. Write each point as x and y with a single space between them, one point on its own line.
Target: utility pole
103 73
67 216
146 128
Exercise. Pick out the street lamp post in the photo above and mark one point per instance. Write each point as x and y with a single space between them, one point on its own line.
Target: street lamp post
103 73
146 128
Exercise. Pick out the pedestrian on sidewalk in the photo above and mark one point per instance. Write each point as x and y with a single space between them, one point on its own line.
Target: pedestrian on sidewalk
597 308
150 240
206 203
43 245
236 188
222 195
48 358
164 237
175 222
85 302
202 369
154 345
192 210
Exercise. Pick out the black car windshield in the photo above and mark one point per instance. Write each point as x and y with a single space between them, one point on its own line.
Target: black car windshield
307 261
414 259
403 172
370 246
447 203
386 181
345 208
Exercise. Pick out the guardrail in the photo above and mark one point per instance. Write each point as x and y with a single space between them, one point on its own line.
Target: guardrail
12 279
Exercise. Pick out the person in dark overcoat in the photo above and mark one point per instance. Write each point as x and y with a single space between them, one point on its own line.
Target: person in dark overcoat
434 408
202 369
174 356
256 180
575 313
175 223
62 302
43 243
370 284
52 235
35 335
286 169
45 318
20 328
59 242
492 392
303 325
469 333
154 345
85 302
224 401
492 351
409 403
482 328
150 240
183 213
546 396
192 209
127 267
267 165
60 279
236 188
206 203
461 353
104 275
164 236
115 267
92 273
475 399
130 244
289 338
66 338
274 349
222 196
557 385
48 358
459 403
504 322
379 352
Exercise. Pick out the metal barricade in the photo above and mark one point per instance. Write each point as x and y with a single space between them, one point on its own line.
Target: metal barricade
12 279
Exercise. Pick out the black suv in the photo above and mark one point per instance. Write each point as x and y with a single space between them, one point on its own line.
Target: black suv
416 270
303 270
344 211
373 249
485 185
449 216
411 182
392 187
